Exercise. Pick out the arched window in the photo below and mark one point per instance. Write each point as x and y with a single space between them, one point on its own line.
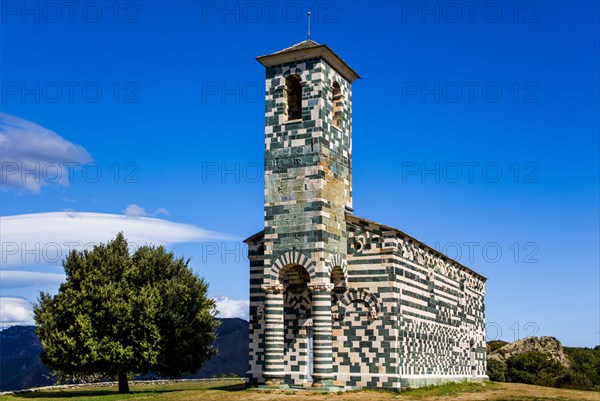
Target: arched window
338 280
293 91
337 105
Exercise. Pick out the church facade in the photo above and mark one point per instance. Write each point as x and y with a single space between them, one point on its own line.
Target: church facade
338 301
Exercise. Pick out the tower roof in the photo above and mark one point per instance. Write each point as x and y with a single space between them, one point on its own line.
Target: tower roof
309 49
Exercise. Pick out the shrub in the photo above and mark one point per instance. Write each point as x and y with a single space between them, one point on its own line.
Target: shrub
496 370
574 380
495 344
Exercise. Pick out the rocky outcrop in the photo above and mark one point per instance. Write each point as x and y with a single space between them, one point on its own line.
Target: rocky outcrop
548 345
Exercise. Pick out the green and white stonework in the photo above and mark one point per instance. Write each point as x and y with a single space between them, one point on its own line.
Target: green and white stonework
380 308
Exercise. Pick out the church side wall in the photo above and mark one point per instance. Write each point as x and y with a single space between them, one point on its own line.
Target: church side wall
442 322
432 309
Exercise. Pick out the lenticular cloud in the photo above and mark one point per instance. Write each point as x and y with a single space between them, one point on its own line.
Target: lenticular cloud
46 238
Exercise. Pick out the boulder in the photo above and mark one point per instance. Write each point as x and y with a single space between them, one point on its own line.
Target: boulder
548 345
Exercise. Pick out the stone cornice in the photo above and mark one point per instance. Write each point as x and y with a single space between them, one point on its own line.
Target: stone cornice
321 51
274 288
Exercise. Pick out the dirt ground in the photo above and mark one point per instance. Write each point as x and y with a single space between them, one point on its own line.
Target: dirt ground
236 392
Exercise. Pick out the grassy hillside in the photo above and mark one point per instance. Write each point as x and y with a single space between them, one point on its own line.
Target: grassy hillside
223 391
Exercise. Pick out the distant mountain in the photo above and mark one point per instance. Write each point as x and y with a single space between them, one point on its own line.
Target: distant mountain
232 344
20 365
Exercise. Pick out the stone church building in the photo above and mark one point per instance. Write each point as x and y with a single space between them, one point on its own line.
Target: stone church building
336 300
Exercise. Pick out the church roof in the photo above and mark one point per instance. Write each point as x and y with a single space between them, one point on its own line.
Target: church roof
299 46
365 222
309 49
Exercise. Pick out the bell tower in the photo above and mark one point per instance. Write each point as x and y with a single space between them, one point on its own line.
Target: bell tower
308 188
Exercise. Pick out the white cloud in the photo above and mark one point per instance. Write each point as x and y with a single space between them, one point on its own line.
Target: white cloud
134 210
46 238
232 307
14 311
33 156
162 211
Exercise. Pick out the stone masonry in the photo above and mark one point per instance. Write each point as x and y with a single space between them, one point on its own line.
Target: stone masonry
337 300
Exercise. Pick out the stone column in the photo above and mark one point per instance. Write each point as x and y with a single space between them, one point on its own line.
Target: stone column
321 316
274 335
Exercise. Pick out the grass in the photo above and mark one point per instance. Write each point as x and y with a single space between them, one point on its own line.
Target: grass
449 389
226 391
178 391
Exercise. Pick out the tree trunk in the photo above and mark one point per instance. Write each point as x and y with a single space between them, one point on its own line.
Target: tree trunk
123 383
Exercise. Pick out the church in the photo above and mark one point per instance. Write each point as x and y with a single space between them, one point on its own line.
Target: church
338 301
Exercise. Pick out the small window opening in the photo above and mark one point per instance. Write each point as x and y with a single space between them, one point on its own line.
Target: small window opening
337 105
294 97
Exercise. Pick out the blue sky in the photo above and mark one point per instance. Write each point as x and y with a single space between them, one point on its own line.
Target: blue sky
475 130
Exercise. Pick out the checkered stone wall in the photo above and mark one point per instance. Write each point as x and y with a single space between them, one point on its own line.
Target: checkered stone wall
367 352
407 316
256 310
440 330
307 167
307 192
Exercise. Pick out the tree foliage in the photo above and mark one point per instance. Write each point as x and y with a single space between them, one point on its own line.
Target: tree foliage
585 368
119 314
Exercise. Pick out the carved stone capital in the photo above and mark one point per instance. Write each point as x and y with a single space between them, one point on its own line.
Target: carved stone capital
323 287
272 288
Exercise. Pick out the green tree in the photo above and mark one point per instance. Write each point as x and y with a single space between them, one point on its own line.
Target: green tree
119 314
585 368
